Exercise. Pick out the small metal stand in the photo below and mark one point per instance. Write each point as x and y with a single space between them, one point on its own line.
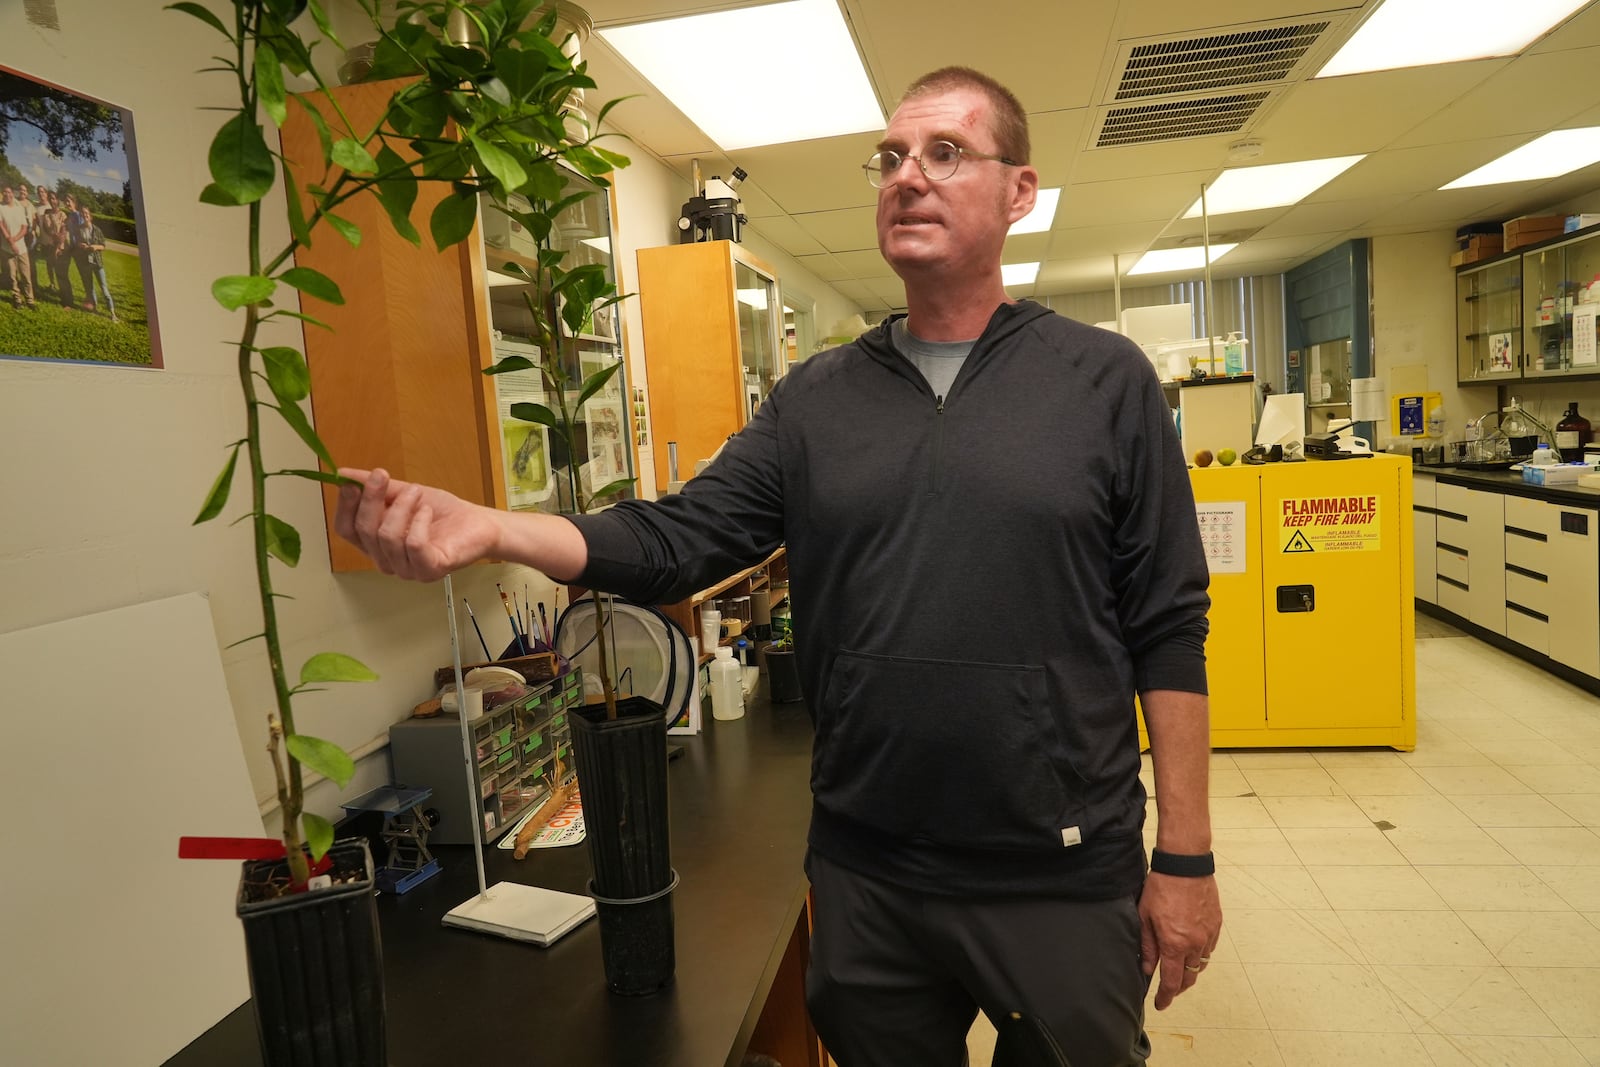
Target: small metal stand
405 828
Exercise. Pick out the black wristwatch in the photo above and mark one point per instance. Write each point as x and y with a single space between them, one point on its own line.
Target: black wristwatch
1202 866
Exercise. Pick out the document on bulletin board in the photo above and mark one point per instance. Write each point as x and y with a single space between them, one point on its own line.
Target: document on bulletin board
1583 335
1222 533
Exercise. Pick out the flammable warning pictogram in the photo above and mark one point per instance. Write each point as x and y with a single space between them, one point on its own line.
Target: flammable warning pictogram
1298 543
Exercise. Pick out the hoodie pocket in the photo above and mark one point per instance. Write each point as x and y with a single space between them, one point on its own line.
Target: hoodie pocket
955 753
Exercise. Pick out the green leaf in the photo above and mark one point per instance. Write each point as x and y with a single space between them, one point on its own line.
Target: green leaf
335 667
324 134
611 487
511 363
500 163
324 757
495 90
203 14
616 160
313 283
287 374
240 162
397 195
296 315
297 213
269 82
218 497
325 477
283 541
234 291
318 831
216 194
545 180
320 17
348 153
520 70
347 229
297 422
597 381
453 218
535 413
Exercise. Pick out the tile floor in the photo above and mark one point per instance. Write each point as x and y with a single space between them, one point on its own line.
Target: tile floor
1438 907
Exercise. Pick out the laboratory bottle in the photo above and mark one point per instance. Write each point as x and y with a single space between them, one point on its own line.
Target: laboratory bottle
710 628
727 686
1544 456
1572 433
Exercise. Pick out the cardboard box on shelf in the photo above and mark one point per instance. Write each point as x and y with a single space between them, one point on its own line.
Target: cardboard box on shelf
1530 229
1477 247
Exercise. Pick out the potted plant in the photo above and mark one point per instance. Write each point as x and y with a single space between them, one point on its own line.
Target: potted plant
619 745
783 673
485 111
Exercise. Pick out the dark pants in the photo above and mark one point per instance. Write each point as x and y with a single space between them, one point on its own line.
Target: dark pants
897 978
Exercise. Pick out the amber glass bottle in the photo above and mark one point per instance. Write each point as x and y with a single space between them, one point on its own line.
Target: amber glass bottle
1572 433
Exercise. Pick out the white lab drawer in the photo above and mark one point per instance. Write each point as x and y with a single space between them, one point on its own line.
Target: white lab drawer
1453 598
1452 498
1450 564
1529 553
1451 531
1526 514
1423 490
1527 592
1526 630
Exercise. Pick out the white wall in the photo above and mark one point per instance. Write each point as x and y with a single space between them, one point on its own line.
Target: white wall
105 467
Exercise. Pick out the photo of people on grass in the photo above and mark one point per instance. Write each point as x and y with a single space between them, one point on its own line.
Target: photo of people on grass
74 278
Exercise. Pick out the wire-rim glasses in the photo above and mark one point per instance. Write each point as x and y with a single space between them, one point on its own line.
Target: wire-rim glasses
938 161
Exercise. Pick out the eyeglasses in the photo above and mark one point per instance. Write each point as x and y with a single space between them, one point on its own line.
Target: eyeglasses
938 161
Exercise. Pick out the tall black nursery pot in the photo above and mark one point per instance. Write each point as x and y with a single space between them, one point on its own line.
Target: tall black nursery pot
622 780
316 964
783 675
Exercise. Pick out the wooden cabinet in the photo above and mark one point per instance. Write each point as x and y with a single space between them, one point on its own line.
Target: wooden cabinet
712 343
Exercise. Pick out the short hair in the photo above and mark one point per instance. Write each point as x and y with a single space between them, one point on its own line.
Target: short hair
1008 122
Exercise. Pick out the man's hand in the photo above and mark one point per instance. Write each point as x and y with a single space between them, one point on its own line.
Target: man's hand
1180 920
411 530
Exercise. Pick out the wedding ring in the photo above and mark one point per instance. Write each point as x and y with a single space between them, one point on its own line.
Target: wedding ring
1191 970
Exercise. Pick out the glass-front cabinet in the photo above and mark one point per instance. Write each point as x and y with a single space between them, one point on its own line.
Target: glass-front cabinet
760 332
1489 321
1560 299
540 472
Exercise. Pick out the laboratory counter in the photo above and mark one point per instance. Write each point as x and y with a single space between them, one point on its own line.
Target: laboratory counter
740 808
1511 483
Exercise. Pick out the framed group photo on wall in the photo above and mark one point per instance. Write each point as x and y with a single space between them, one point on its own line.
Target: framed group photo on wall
74 266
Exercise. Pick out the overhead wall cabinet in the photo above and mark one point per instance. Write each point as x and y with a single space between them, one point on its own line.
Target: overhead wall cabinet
398 381
713 343
1531 314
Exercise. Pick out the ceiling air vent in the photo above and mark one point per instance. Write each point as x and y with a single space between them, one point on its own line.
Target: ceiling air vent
1172 119
1222 61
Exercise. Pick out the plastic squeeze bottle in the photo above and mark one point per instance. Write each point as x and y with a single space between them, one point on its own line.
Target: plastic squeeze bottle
727 686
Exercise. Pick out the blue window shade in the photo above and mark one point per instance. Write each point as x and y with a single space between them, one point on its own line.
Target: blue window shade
1328 300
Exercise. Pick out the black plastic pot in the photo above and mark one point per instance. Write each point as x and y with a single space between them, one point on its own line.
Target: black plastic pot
783 676
316 965
636 941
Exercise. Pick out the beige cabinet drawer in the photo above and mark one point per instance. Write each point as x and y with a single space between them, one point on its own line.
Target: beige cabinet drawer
1423 490
1452 498
1526 630
1528 593
1533 515
1453 598
1529 553
1448 563
1451 531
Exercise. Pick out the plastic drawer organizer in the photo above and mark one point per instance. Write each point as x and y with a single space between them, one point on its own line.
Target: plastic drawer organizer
514 751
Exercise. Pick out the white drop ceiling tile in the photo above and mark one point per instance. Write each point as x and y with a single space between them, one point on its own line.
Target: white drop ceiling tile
862 264
1314 120
1234 226
819 175
824 267
1438 210
1056 137
1415 170
1202 155
1297 248
648 116
1169 17
1157 198
1081 242
787 234
1025 248
861 293
1329 217
1521 97
845 230
618 12
1048 53
1074 275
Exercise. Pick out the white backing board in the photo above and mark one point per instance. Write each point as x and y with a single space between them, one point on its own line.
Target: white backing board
116 738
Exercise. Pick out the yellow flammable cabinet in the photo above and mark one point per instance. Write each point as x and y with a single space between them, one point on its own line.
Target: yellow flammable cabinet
1312 637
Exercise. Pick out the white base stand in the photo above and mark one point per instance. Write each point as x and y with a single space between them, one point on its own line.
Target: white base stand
521 912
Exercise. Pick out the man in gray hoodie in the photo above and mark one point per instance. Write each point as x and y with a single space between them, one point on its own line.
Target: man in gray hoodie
975 839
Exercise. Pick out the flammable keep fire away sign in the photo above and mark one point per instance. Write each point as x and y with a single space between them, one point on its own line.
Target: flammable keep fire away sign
1344 523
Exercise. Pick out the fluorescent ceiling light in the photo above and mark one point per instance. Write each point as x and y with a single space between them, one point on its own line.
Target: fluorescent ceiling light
1544 157
1273 185
756 298
1416 33
761 75
1041 217
603 244
496 278
1018 273
1167 260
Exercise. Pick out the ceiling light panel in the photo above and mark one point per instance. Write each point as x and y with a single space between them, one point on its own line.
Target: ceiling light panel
1168 260
1018 273
750 76
1043 215
1273 185
1417 33
1550 156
